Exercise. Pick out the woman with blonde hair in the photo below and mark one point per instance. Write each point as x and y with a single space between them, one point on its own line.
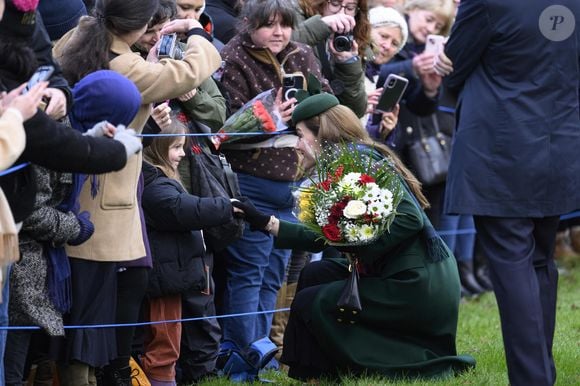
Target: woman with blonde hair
408 286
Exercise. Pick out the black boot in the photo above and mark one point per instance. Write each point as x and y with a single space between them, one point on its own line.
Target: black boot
481 271
467 278
465 293
118 373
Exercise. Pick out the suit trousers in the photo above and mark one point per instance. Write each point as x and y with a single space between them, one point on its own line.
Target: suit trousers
525 280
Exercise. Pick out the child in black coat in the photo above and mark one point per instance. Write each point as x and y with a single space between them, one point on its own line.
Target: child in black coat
174 221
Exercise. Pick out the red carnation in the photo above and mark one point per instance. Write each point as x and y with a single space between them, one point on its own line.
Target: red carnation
338 172
336 212
325 185
365 179
331 232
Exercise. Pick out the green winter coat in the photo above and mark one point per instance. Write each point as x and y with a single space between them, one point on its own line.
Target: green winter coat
408 321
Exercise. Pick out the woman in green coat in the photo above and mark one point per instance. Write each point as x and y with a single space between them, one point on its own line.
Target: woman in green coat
409 286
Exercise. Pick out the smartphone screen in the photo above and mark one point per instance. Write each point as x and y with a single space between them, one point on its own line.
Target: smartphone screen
394 88
42 73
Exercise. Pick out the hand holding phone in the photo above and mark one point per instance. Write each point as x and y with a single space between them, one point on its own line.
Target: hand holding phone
42 74
394 88
292 83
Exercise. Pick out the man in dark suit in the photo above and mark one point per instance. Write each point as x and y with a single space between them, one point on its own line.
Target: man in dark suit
514 164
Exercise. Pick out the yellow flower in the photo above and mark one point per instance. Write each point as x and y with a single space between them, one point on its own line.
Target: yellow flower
305 205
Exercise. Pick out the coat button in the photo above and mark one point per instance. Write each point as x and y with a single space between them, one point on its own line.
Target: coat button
409 130
339 320
341 309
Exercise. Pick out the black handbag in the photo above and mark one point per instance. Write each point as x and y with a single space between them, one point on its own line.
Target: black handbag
429 156
212 176
348 304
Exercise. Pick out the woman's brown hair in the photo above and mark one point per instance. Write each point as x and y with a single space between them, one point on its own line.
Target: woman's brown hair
362 30
339 124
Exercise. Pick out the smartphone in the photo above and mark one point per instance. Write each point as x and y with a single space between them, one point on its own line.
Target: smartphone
393 91
168 47
292 83
42 74
434 44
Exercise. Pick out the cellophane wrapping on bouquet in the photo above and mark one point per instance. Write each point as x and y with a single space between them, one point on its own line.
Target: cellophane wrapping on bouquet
258 116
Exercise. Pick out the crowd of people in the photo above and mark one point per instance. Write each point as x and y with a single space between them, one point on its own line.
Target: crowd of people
102 222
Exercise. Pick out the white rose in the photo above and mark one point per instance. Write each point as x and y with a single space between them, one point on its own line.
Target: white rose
354 209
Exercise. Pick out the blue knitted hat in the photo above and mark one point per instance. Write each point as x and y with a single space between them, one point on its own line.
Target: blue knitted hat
104 95
60 16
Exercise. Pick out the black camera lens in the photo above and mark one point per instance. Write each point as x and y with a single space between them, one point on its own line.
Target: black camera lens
391 82
342 42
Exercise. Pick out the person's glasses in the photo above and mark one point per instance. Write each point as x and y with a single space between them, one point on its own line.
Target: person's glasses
336 5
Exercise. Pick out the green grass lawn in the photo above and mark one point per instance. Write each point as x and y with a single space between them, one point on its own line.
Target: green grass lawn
479 335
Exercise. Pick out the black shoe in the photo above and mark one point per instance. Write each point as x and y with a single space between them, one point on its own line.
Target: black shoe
483 278
467 278
465 293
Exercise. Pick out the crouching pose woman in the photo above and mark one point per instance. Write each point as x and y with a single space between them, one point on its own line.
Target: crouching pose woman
409 292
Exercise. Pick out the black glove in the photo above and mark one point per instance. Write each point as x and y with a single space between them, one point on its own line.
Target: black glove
253 216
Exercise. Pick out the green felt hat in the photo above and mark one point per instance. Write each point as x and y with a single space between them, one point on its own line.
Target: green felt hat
313 106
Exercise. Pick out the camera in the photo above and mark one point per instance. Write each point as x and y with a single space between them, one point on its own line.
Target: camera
290 84
343 42
169 47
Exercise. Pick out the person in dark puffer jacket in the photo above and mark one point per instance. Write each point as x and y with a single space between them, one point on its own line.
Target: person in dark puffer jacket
174 220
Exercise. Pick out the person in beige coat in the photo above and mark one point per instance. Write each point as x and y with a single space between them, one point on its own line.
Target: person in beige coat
114 206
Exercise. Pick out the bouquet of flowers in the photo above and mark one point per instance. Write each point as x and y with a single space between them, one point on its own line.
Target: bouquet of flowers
356 201
257 116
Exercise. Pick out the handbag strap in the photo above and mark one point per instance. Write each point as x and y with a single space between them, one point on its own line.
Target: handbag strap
231 180
435 123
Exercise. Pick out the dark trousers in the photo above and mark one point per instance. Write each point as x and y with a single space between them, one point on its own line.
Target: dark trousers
200 339
302 352
525 280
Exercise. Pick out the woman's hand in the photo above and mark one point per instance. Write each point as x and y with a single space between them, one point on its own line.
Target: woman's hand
56 108
180 26
285 108
373 99
443 66
343 56
162 115
423 63
27 104
339 22
389 122
187 96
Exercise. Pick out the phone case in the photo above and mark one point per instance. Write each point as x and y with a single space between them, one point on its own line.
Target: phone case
394 88
292 83
434 44
42 73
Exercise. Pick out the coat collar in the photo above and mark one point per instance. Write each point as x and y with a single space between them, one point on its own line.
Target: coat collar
264 55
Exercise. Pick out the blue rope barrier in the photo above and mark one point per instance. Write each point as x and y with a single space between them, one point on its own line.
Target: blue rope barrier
446 109
211 134
13 169
72 327
466 231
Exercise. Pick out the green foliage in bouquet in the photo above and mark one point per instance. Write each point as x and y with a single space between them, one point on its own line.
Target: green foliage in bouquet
355 199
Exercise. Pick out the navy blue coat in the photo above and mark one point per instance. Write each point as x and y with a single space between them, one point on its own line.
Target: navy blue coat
515 151
174 219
